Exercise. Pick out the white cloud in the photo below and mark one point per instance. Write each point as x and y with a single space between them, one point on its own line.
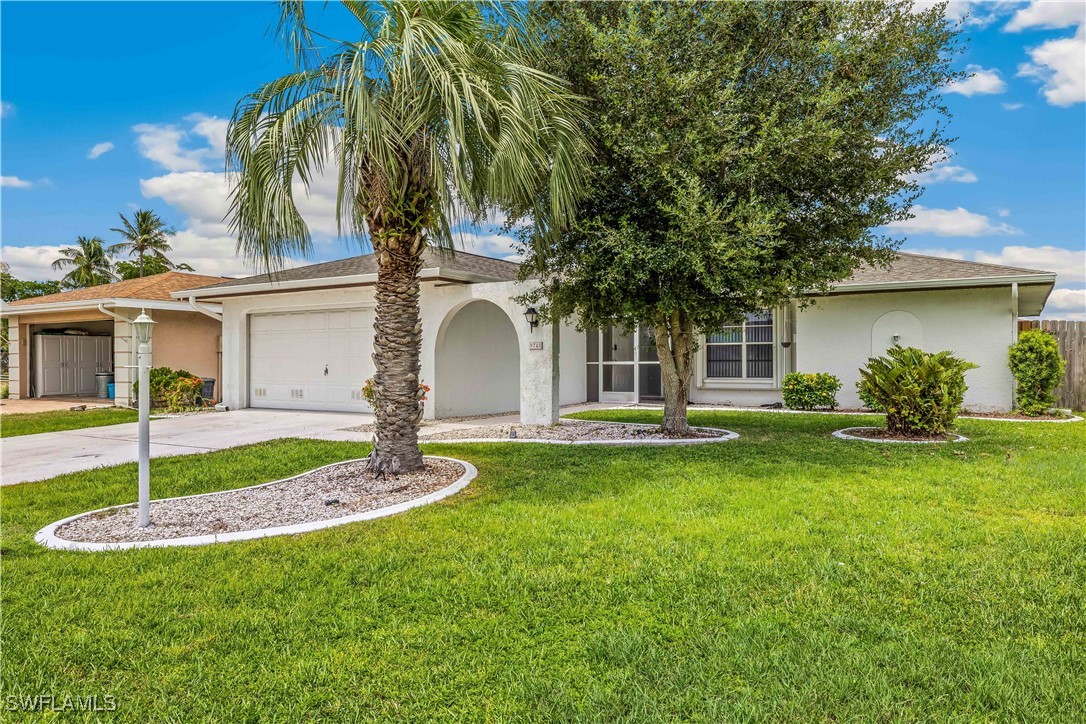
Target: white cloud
498 246
950 222
1048 14
1003 213
32 263
981 81
942 170
1066 304
213 129
1060 66
1013 106
14 182
6 109
971 13
99 148
170 146
1069 265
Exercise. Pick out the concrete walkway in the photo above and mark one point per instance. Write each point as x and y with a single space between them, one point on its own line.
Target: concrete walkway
36 457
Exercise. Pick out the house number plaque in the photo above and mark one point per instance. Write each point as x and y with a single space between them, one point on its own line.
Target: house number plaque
535 345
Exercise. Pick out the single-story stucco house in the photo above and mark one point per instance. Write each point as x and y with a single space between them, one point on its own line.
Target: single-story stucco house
302 339
58 342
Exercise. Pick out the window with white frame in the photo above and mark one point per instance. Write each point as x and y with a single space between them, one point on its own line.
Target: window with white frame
743 351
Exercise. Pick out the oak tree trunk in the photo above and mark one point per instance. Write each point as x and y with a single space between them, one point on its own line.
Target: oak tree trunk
675 347
397 344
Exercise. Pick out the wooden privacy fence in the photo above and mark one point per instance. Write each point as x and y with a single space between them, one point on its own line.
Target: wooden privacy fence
1071 337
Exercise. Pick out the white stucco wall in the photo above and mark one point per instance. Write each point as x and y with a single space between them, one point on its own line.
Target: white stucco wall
840 333
572 361
538 368
478 362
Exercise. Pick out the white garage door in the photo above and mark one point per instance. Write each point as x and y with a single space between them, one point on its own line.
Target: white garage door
313 360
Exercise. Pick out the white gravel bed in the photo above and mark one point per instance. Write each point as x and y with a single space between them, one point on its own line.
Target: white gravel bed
331 492
573 431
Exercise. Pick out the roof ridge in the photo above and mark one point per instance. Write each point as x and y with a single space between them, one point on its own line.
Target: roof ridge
971 261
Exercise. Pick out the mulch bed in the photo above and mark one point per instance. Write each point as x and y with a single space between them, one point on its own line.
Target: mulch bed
325 494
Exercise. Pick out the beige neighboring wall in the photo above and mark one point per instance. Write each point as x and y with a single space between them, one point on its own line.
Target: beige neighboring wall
188 341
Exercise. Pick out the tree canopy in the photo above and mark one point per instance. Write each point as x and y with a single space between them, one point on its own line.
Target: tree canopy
747 154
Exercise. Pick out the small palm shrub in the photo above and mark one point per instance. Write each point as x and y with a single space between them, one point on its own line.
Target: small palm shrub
163 379
1038 368
810 390
920 392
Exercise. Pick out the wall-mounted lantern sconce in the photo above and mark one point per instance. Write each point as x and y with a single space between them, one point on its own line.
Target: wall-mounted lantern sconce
532 317
896 337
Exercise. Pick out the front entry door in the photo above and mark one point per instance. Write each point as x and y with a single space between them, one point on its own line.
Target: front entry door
618 371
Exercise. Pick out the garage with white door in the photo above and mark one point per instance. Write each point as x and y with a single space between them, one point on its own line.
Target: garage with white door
311 360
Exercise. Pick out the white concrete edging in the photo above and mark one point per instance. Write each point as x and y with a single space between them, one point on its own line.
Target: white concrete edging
47 536
843 435
787 411
724 436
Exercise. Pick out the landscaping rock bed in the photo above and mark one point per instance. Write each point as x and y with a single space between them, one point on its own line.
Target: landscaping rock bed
879 434
577 431
327 493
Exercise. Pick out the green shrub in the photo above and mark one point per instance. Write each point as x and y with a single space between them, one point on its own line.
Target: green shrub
866 399
810 390
4 391
920 392
1038 368
162 379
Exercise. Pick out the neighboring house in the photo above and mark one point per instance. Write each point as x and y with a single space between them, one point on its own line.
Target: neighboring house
302 339
60 341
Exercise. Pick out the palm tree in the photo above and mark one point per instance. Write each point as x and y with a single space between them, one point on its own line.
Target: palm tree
89 261
432 116
145 235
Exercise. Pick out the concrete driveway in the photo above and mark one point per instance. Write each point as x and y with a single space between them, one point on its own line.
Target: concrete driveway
36 457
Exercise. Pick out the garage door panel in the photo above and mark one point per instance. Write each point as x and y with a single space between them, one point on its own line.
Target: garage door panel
289 353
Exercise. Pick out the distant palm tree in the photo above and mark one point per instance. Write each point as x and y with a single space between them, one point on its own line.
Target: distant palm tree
433 114
146 235
89 261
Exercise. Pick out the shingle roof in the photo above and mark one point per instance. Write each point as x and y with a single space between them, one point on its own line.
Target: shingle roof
156 286
484 266
910 267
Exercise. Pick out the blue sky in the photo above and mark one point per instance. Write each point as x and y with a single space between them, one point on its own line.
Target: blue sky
108 107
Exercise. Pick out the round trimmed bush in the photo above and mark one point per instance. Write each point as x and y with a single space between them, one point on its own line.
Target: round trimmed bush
810 390
1038 368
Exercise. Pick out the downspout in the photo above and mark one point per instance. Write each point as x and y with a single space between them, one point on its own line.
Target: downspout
118 317
218 356
203 310
1014 333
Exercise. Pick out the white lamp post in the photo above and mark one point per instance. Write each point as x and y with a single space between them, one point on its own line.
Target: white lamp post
142 325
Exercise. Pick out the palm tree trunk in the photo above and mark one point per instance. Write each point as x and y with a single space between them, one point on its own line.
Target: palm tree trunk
675 348
397 345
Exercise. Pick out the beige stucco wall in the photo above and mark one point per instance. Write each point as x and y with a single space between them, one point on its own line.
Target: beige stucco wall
840 333
188 341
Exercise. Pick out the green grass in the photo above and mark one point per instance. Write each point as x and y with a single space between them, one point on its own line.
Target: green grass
32 423
782 576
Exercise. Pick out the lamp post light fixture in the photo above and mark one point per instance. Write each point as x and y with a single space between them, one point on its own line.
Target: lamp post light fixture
142 325
532 316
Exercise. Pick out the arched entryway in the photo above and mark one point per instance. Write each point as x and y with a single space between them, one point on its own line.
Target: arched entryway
477 362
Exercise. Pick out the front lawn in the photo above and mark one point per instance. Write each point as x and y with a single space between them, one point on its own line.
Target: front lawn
31 423
785 575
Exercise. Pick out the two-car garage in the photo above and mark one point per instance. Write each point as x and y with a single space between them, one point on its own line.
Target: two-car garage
311 360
